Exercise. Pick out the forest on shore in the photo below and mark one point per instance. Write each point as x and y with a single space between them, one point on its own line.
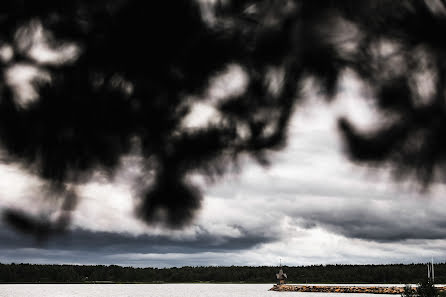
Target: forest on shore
390 273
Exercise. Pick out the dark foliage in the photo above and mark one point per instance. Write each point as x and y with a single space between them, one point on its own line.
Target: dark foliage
409 291
127 74
391 274
427 289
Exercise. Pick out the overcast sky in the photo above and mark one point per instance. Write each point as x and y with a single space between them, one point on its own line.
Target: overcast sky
311 206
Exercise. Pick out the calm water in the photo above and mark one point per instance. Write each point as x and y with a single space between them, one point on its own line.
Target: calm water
170 290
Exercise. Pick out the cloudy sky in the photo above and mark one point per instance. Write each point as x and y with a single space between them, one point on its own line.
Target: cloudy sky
310 206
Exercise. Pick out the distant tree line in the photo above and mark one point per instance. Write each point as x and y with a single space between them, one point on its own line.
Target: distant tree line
395 273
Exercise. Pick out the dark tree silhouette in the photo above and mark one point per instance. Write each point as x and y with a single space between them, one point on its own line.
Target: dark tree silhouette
115 77
427 289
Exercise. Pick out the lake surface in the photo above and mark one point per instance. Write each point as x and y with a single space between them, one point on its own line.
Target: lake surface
152 290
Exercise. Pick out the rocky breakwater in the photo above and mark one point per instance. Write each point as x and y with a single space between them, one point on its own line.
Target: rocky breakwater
341 289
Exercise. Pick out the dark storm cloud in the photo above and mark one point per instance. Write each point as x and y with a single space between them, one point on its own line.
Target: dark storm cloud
116 243
378 224
87 247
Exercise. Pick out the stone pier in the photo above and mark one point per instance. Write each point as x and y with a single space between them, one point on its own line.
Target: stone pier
342 289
